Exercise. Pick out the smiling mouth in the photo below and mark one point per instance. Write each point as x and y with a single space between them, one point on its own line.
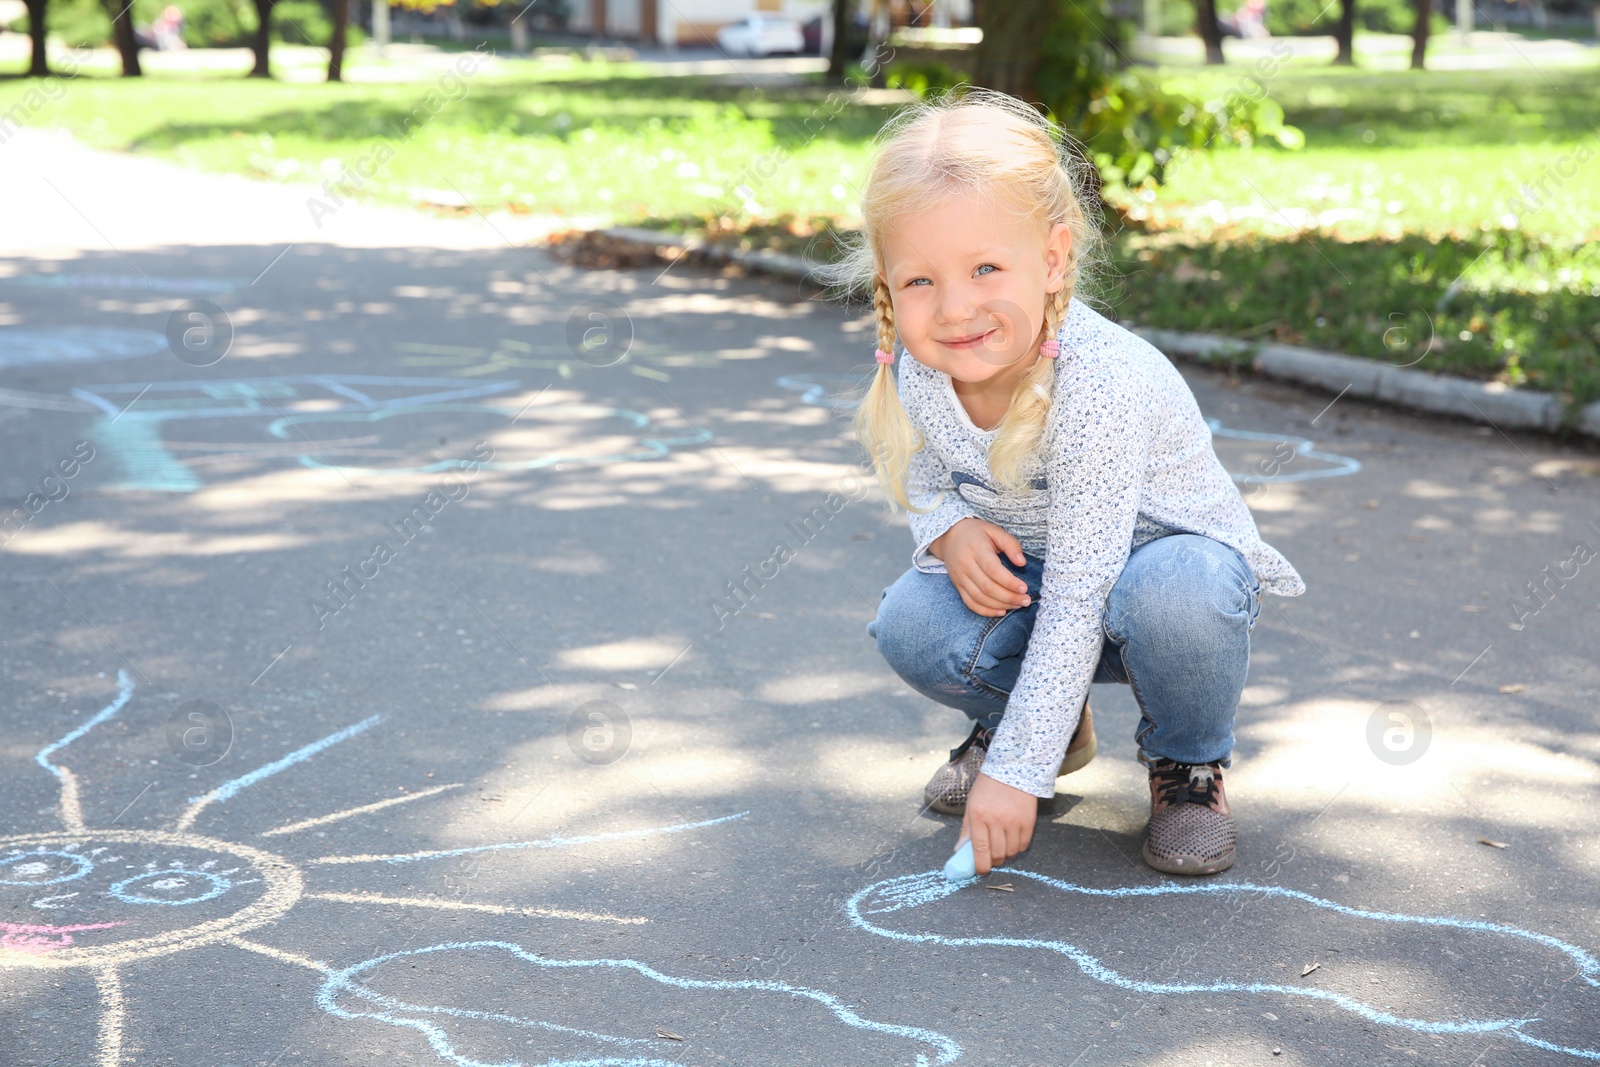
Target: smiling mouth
969 342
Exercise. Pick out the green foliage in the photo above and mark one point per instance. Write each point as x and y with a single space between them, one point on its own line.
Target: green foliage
218 23
1309 17
1521 312
1132 127
1135 129
207 23
1079 57
923 78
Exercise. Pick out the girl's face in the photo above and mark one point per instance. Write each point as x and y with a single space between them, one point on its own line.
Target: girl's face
969 284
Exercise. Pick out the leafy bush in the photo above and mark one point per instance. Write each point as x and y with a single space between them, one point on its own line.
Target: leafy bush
1135 129
923 78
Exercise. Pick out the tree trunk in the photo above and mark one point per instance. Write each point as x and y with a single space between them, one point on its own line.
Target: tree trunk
341 25
1344 34
1205 21
262 45
1008 57
843 33
1419 33
121 12
38 65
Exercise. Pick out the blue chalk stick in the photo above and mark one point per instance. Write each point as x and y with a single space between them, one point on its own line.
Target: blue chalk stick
961 866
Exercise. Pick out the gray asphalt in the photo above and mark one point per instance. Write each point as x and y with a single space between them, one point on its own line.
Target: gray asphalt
714 801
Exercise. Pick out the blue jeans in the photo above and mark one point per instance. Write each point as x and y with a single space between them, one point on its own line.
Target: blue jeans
1177 631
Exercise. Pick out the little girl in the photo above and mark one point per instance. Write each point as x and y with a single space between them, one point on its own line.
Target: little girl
1072 523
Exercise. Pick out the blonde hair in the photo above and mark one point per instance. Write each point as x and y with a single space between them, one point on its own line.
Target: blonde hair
926 152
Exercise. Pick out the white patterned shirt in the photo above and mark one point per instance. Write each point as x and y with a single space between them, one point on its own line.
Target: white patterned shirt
1127 458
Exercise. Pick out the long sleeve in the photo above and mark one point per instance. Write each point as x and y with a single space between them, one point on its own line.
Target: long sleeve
1096 472
928 484
926 479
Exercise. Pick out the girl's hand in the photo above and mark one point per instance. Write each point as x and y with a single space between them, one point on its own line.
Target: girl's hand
970 552
999 820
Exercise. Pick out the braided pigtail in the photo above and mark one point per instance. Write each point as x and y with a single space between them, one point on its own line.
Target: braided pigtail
881 422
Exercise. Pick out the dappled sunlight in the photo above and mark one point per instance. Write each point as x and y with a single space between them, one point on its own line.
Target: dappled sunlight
1462 760
70 539
634 654
815 687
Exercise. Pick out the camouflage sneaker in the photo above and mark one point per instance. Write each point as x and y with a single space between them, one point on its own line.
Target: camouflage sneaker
947 790
1191 825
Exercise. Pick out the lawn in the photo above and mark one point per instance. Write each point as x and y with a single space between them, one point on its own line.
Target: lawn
1444 219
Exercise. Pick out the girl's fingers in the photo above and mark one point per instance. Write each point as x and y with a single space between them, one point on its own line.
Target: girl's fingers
981 848
1007 542
1004 584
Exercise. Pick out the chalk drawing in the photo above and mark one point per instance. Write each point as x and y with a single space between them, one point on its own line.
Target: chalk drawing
642 359
916 890
136 413
650 447
132 895
1338 466
127 281
398 1013
558 841
836 392
27 345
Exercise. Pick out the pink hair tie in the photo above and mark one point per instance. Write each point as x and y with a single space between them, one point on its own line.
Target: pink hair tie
1050 349
884 357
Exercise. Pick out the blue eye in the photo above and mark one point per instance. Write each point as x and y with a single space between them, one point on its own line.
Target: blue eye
990 266
915 281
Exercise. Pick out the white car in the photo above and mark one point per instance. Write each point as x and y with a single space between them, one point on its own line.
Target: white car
757 35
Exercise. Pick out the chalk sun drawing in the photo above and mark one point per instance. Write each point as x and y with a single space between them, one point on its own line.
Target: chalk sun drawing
430 1020
116 896
911 891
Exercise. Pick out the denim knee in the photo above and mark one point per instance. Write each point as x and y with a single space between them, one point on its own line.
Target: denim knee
1182 587
932 641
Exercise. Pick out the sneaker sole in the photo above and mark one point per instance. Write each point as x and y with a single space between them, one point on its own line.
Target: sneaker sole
1191 869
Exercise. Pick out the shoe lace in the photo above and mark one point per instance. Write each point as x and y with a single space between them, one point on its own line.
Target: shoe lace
980 736
1192 783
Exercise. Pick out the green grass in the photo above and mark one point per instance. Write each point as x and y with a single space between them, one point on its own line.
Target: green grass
1397 233
593 139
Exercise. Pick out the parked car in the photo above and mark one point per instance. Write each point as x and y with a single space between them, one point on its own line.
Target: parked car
757 35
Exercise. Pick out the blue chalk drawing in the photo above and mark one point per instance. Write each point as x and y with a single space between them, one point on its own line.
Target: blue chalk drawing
207 286
652 447
914 890
1338 465
231 788
84 866
125 891
125 689
558 841
836 392
390 1010
27 345
136 412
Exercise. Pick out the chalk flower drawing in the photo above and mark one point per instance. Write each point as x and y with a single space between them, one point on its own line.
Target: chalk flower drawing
107 897
912 892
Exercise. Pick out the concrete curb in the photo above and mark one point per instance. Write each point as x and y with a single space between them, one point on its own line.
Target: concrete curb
1490 403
